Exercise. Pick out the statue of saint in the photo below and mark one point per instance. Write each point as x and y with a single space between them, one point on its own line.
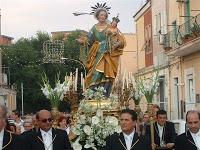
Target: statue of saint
101 50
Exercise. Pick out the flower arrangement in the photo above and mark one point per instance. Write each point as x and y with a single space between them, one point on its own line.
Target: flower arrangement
148 86
55 94
92 127
137 96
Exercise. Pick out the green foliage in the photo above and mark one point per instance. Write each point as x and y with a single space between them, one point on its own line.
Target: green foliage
24 58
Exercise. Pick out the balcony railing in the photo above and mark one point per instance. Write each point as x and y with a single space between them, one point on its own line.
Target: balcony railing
161 59
182 34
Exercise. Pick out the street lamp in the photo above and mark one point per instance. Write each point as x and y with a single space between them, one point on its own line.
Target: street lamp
70 59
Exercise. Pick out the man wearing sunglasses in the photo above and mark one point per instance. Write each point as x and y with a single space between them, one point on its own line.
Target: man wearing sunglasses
45 137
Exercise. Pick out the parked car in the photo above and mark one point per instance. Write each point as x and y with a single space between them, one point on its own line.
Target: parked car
180 126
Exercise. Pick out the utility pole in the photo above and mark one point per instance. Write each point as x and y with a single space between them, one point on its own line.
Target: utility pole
22 92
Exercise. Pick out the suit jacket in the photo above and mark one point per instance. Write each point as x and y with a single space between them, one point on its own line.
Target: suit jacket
117 142
142 128
33 140
185 142
11 141
168 131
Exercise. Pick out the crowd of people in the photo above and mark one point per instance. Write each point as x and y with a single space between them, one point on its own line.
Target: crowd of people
36 132
33 132
160 134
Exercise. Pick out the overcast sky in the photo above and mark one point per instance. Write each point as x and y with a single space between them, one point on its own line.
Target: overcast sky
22 18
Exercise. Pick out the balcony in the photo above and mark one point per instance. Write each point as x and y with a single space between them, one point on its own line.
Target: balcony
184 39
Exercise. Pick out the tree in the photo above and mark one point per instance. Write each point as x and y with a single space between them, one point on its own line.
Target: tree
24 58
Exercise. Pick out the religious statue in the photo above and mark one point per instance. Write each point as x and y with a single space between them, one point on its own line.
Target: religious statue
101 50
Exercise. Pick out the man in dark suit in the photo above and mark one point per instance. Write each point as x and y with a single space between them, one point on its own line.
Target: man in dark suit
164 132
8 141
128 139
190 140
143 125
45 137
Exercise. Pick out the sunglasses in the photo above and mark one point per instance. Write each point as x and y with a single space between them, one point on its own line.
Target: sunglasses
45 120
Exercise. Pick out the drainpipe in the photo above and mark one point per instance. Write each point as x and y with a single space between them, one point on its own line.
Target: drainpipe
137 48
169 92
181 86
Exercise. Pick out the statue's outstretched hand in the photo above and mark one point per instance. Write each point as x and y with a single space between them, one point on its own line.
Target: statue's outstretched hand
80 40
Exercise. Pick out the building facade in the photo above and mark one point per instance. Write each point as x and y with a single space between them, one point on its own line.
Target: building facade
181 44
167 33
7 92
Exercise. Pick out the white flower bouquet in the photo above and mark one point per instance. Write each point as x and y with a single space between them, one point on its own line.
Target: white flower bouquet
148 86
92 127
93 130
55 94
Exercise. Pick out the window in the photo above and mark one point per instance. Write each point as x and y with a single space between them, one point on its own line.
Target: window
190 98
148 36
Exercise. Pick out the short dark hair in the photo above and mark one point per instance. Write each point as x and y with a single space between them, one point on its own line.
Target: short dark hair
130 112
16 112
37 115
161 112
192 112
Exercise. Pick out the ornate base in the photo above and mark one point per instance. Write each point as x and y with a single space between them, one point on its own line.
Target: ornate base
106 106
55 115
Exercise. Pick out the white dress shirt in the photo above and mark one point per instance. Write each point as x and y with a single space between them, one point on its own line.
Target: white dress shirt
67 130
47 139
129 139
196 138
160 131
1 138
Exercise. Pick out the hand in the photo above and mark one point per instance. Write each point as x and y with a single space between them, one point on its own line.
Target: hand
116 45
108 32
154 146
170 145
80 41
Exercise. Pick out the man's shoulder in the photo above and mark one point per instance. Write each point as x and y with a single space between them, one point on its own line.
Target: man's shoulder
114 136
11 136
59 132
181 137
169 123
9 133
26 134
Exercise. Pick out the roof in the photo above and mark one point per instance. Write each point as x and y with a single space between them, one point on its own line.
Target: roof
142 9
8 37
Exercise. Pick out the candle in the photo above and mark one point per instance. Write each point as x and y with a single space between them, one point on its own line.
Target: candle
70 79
76 79
123 81
81 79
83 84
127 80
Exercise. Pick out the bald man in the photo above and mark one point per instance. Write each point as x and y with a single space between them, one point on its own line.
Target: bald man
190 140
46 137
